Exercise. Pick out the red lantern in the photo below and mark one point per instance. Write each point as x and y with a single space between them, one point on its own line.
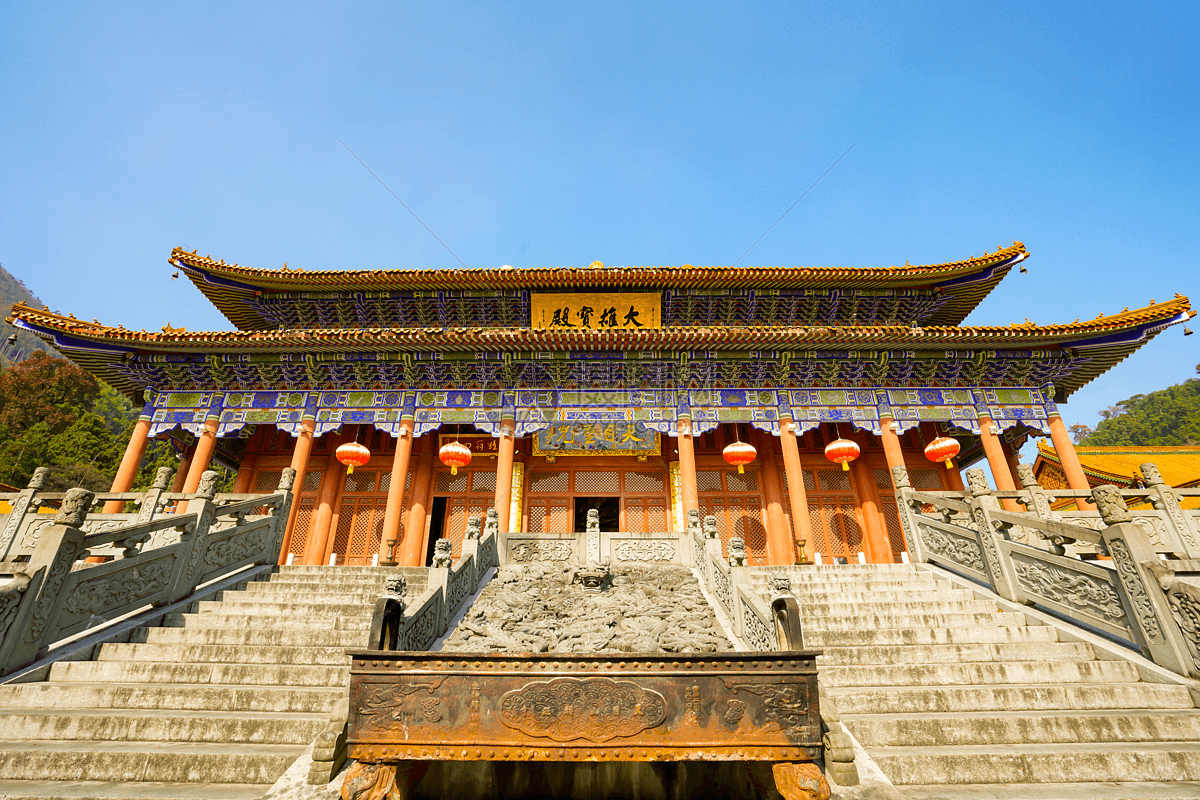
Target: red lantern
455 455
739 454
842 451
352 454
943 448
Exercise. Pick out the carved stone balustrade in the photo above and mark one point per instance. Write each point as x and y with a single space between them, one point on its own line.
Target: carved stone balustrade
159 559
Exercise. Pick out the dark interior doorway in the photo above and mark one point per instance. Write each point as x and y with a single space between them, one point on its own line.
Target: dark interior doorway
610 512
437 520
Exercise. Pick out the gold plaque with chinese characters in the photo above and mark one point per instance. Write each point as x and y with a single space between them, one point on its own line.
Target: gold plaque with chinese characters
596 312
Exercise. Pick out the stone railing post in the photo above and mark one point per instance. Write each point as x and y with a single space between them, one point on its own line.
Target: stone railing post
439 578
194 536
1184 601
906 509
1164 499
999 566
470 545
59 547
712 536
280 514
1148 609
24 506
151 499
1035 500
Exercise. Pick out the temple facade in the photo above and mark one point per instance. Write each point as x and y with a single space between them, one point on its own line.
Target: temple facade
615 389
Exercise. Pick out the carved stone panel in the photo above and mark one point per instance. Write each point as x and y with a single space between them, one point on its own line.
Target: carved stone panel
959 549
524 551
644 550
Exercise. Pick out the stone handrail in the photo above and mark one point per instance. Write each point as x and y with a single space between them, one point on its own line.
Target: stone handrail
49 597
1136 596
21 528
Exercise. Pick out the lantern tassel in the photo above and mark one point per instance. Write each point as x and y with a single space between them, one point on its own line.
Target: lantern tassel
453 469
949 463
349 469
741 470
845 466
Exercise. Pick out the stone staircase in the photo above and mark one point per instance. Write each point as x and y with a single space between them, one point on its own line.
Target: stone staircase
954 698
213 704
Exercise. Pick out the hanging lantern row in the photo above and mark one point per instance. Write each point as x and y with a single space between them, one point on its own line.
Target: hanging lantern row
842 451
454 455
739 454
943 449
352 454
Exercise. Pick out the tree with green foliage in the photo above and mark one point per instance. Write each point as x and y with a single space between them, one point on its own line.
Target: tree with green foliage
54 414
1164 418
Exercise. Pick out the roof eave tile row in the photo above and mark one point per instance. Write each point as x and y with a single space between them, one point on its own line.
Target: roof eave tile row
549 277
739 337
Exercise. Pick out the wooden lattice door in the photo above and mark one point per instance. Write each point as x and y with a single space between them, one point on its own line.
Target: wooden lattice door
735 499
834 515
359 521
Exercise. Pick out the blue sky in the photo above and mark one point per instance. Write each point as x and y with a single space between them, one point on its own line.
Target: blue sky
541 134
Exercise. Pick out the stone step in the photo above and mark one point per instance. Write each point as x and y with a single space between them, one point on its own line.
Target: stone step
223 654
379 572
275 637
982 634
902 700
1055 763
911 620
143 790
1022 727
919 656
145 761
264 606
303 590
136 725
214 619
830 578
362 599
824 570
1147 790
363 582
220 674
983 674
171 697
882 607
900 597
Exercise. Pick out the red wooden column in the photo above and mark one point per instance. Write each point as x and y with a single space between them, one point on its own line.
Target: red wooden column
876 546
1076 478
300 455
891 445
996 460
241 484
331 486
206 443
185 464
801 524
687 467
504 471
395 497
412 546
781 549
132 460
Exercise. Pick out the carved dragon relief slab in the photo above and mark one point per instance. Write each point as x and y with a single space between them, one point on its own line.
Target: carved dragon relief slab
1090 595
